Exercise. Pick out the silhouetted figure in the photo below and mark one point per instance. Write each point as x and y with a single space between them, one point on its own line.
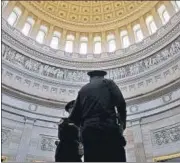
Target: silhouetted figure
94 111
68 147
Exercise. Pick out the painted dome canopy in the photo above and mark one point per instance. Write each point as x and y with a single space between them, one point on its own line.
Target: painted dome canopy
89 15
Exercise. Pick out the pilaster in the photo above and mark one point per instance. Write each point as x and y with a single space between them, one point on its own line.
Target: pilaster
25 140
138 141
22 20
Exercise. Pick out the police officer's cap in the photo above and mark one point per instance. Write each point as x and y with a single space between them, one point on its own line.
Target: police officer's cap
97 73
69 105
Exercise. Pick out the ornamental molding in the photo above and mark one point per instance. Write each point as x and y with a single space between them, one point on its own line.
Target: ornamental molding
48 114
128 73
17 79
147 47
85 27
6 134
47 143
166 135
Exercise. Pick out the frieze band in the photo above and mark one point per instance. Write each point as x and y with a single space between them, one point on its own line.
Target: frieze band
32 65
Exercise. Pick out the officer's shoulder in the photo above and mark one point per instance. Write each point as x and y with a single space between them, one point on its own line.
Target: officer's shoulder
109 81
84 87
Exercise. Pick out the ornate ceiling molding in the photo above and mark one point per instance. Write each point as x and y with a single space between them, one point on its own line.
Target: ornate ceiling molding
129 72
165 35
129 13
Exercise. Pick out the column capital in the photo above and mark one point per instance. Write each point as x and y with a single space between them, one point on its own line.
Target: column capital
49 35
136 122
29 120
63 39
8 9
77 42
90 43
22 20
156 17
169 6
144 28
131 34
118 40
104 44
35 28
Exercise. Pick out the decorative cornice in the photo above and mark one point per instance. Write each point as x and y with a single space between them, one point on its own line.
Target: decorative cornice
95 26
130 72
105 60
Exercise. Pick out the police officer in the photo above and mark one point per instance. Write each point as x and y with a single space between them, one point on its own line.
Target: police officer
67 149
94 111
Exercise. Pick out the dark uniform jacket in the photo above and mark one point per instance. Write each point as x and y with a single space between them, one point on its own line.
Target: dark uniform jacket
68 148
95 104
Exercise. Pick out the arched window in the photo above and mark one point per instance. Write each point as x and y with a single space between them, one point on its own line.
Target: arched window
14 16
176 5
55 40
28 26
151 24
69 43
125 39
163 14
97 45
41 34
4 4
83 45
138 33
111 43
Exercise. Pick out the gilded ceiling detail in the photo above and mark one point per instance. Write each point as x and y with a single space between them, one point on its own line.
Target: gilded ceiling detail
90 15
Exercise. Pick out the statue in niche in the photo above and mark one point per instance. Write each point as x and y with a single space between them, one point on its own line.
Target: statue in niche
28 64
19 58
147 62
119 73
141 65
175 47
136 68
165 54
122 72
177 44
50 70
74 74
67 75
78 77
45 69
60 74
111 74
7 49
10 54
157 59
55 73
131 69
115 74
36 66
41 69
82 75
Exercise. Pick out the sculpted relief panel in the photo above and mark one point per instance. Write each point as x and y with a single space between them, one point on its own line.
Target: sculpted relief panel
5 135
48 143
144 48
40 68
167 135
